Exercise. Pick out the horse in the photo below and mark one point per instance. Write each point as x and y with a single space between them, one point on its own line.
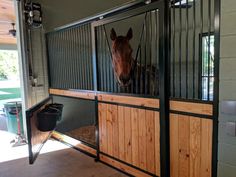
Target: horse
128 71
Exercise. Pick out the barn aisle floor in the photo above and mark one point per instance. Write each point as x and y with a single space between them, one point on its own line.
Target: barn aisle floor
55 160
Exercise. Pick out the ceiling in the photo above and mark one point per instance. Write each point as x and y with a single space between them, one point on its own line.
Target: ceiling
7 17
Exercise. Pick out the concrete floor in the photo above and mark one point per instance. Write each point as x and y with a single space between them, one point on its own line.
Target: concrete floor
56 160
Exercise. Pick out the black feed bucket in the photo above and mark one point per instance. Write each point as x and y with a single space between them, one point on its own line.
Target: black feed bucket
56 106
47 119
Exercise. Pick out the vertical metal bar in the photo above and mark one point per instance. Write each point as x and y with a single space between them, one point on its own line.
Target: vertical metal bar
59 49
90 58
57 58
101 60
76 59
105 62
180 49
62 82
86 57
145 56
64 59
200 58
89 55
98 45
157 80
67 46
173 64
217 8
51 59
48 41
187 48
67 58
194 46
95 65
208 46
140 70
80 58
150 50
70 59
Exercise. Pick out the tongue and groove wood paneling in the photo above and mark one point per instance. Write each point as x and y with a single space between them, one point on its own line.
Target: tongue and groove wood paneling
131 135
190 146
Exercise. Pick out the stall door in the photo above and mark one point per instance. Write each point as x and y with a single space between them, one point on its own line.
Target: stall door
36 138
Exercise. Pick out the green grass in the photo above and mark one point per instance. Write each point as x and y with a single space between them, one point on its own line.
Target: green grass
14 93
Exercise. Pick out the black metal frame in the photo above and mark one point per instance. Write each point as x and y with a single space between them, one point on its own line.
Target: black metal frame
118 160
131 12
217 14
29 113
165 89
164 76
163 7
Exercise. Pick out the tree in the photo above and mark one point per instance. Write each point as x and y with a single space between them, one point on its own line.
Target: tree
8 65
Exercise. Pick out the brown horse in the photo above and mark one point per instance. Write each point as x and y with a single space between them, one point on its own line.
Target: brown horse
122 59
127 70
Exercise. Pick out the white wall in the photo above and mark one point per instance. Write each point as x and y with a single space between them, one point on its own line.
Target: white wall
227 144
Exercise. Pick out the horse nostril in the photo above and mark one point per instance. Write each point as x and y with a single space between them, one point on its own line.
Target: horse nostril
124 79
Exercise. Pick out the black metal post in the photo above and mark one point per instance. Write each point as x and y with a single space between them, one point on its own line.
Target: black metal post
216 87
164 88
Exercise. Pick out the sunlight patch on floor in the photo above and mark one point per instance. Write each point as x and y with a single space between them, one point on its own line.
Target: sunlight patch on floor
8 153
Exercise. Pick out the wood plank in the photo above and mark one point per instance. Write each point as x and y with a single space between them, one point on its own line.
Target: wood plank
138 101
73 142
123 167
102 127
109 130
76 94
157 143
197 108
135 140
206 147
184 126
150 140
121 124
174 145
115 131
7 15
128 135
142 140
195 146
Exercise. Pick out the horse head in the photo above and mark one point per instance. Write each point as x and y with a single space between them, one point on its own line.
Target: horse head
122 59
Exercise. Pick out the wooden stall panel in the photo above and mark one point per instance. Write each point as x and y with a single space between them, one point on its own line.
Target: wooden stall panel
138 101
131 135
72 93
197 108
190 146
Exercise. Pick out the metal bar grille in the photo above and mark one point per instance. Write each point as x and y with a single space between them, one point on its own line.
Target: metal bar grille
70 58
192 60
145 77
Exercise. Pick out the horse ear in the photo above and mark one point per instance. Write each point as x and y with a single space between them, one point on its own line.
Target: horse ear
129 35
113 34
